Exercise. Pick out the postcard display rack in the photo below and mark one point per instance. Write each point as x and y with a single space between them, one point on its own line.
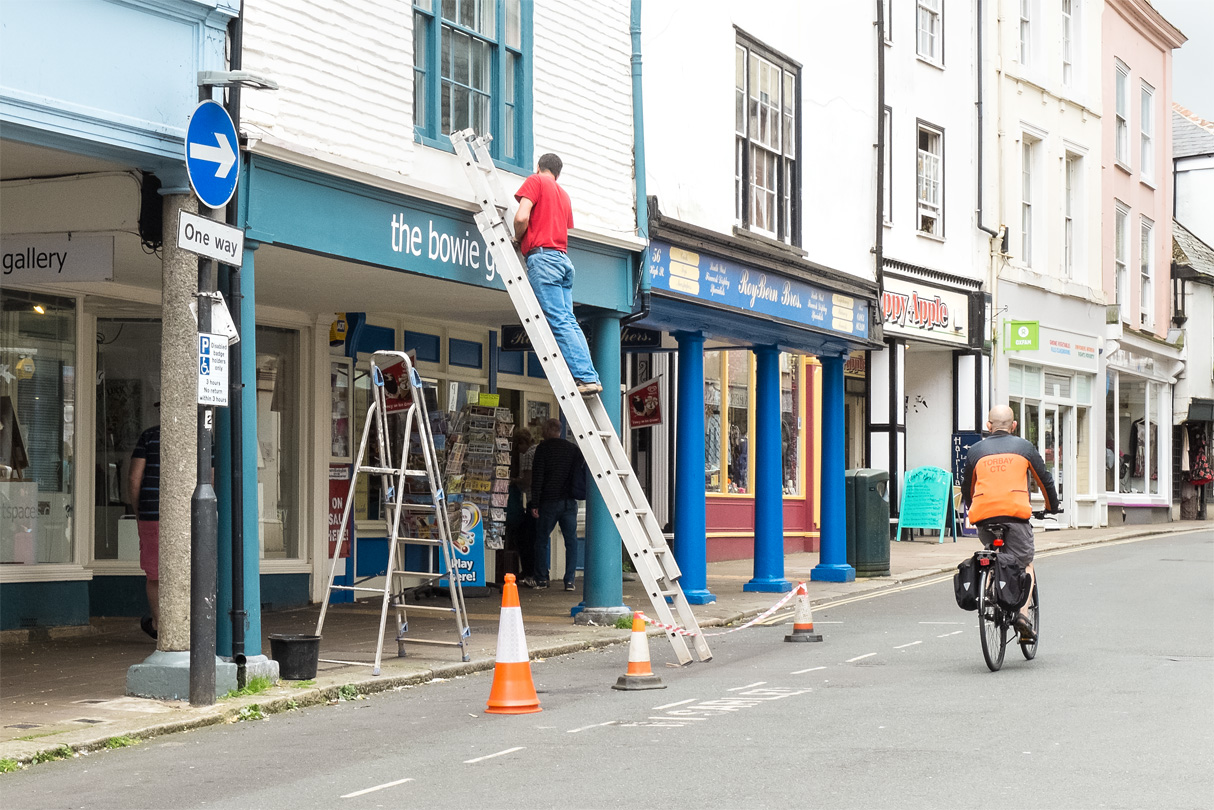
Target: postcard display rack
478 466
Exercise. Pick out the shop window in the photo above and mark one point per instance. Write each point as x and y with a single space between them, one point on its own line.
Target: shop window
37 428
128 390
790 421
470 66
1083 451
278 443
1137 436
737 366
714 423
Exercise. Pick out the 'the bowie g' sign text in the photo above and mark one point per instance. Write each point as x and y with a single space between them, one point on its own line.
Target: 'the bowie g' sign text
51 257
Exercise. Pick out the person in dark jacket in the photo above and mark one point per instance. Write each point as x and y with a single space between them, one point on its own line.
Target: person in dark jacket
995 488
552 502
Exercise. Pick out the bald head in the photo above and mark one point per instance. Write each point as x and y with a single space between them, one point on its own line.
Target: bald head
1001 418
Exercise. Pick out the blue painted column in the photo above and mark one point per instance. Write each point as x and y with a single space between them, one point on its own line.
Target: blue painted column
690 521
769 477
603 581
832 565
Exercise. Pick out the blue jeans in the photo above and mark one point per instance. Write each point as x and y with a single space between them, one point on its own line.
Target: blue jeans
551 275
552 514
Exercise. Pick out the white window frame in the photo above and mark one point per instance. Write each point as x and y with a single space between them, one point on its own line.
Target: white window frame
1029 193
1146 271
929 29
1146 126
1068 42
888 158
1072 187
929 186
1026 32
1121 121
776 144
1121 259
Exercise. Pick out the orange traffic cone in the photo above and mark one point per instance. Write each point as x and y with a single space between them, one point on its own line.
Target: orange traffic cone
513 691
639 675
803 619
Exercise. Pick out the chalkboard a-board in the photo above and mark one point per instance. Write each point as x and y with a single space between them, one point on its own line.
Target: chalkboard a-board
926 501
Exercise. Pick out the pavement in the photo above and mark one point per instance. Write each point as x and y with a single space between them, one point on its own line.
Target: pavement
58 692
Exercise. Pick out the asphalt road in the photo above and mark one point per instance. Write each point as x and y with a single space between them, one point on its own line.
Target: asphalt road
896 708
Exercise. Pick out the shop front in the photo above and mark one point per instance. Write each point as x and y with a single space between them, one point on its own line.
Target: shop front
1140 375
930 383
367 270
1051 373
756 339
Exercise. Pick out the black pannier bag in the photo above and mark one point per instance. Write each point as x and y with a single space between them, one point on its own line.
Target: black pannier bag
965 584
1012 584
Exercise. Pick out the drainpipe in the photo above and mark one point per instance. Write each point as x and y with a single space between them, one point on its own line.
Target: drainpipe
638 152
993 232
235 404
879 242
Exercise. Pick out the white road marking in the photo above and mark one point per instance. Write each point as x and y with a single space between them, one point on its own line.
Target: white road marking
946 635
803 671
377 787
596 725
747 686
498 754
913 643
859 657
680 719
678 703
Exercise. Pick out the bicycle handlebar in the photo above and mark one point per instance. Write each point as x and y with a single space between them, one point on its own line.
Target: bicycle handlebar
1040 514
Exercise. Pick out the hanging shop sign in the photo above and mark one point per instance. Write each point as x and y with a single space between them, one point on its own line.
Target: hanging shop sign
44 258
1020 336
724 283
920 310
645 404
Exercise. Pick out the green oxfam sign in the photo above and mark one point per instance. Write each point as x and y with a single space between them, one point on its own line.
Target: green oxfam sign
1020 336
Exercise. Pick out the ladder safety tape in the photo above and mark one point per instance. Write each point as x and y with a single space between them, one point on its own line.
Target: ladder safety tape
377 376
679 631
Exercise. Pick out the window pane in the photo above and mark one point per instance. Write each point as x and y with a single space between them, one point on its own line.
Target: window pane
37 427
446 98
790 422
713 422
486 18
467 13
460 113
449 9
420 59
423 4
1083 452
461 47
790 121
278 443
1132 426
480 66
738 369
514 26
446 52
740 91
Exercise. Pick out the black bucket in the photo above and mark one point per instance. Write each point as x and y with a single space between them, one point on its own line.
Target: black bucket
296 655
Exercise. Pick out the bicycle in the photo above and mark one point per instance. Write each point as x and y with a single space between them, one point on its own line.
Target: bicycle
995 621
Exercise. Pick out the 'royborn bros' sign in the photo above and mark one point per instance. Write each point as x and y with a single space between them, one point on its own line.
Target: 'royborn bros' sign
747 289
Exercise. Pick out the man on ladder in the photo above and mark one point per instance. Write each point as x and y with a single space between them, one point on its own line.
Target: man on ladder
541 230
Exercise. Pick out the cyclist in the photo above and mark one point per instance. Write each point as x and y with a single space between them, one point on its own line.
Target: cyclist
994 487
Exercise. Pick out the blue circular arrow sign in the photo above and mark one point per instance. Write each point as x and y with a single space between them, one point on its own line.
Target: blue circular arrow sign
211 153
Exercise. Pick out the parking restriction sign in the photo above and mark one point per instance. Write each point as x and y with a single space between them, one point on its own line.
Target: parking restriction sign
212 370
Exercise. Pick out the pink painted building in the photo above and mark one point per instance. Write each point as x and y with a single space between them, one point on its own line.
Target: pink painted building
1136 230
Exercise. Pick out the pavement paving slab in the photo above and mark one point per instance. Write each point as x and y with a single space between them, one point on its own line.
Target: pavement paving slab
70 690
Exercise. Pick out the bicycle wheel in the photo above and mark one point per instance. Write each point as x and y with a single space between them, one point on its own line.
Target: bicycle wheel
991 624
1030 649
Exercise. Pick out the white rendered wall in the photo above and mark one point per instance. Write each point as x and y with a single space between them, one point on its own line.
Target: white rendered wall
688 51
929 408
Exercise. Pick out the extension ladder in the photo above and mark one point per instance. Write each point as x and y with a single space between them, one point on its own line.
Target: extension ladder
396 482
587 418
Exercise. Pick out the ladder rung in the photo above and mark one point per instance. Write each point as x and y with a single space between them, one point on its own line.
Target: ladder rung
419 541
430 641
420 574
432 608
357 588
390 471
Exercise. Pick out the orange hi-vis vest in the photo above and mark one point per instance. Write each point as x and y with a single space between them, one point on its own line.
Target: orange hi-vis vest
995 484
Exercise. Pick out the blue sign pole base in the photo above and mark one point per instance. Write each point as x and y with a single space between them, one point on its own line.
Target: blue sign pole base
833 573
768 585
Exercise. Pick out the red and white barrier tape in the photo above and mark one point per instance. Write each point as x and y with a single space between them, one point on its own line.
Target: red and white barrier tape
679 631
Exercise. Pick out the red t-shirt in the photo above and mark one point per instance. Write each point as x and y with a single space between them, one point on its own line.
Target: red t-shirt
551 213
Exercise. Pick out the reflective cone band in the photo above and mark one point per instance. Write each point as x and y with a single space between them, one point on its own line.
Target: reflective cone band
803 618
638 675
513 691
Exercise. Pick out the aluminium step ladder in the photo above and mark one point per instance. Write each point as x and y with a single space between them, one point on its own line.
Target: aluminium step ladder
410 497
587 418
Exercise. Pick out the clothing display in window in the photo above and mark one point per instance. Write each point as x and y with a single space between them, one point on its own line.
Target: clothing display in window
1197 456
1138 438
